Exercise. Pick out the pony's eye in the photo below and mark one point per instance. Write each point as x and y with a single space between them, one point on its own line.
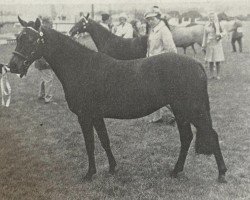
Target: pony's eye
21 36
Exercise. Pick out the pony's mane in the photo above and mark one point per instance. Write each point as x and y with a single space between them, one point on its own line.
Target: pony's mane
102 28
99 25
71 44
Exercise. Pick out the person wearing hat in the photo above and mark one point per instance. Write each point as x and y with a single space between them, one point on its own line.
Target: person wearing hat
124 29
105 21
160 41
212 44
46 89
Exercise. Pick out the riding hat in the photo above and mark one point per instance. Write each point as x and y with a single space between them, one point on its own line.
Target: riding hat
123 15
153 12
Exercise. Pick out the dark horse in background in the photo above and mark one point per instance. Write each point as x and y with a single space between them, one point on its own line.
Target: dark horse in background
132 48
110 44
97 86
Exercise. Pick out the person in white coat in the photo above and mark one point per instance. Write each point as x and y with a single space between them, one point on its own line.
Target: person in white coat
124 29
160 41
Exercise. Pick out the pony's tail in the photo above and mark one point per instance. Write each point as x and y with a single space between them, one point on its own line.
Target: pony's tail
205 141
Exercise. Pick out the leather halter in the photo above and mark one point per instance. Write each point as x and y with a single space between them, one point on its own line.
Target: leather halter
84 22
30 59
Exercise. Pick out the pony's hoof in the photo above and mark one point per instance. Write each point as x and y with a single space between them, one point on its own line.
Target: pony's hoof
88 177
112 168
222 179
112 171
173 174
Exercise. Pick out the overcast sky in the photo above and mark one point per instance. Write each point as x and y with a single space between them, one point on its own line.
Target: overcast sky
29 8
109 1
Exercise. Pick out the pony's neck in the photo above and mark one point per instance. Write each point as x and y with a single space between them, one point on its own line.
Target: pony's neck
99 34
66 57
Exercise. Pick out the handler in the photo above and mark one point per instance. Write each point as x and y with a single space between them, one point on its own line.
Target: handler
124 29
46 89
160 41
5 85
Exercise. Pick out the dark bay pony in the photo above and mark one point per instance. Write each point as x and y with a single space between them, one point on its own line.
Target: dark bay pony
110 44
127 49
97 86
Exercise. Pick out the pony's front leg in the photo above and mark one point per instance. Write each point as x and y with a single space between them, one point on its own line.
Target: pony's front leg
88 133
101 130
193 49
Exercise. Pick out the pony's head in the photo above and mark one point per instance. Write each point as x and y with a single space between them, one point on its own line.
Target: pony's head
80 27
29 47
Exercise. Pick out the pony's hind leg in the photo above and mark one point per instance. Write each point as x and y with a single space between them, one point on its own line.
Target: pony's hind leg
88 133
219 160
101 130
193 49
184 49
186 137
207 141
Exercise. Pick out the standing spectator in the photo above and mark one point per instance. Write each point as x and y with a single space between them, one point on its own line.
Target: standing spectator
137 28
105 21
46 89
212 44
237 35
160 41
124 29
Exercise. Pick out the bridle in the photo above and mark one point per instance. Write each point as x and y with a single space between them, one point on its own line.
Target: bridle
32 57
84 22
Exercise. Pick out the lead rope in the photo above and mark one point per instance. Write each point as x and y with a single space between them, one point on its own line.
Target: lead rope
5 87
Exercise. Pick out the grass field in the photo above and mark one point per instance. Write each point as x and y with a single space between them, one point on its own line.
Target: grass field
43 156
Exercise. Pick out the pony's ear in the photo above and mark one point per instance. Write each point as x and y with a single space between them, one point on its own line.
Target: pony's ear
87 16
37 24
22 22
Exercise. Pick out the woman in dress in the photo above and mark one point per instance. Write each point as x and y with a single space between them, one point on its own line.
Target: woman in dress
212 44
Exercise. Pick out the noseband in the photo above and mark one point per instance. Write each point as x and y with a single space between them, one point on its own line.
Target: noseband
30 59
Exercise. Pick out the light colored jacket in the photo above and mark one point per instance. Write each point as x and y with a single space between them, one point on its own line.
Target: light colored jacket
160 40
125 31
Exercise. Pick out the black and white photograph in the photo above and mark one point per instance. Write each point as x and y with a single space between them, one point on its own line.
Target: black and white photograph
125 100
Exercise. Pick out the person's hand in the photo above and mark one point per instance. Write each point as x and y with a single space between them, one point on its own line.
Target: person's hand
204 50
1 66
218 37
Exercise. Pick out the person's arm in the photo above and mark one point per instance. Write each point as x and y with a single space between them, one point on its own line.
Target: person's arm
223 32
167 41
204 40
1 66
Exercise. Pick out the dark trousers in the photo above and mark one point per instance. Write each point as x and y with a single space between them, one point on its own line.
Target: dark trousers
239 40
